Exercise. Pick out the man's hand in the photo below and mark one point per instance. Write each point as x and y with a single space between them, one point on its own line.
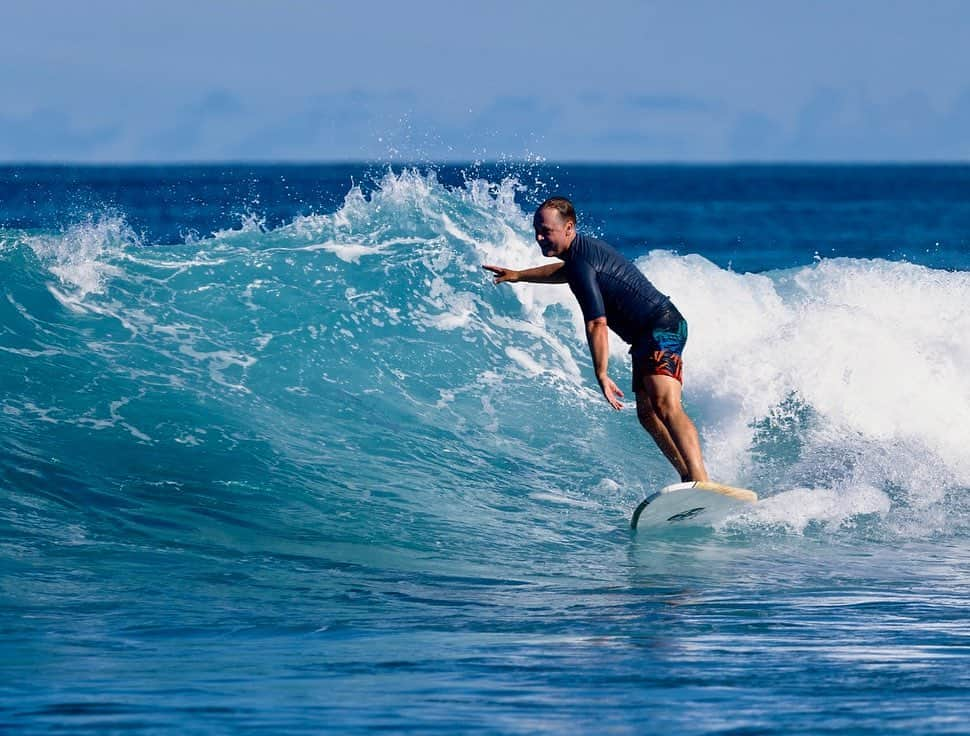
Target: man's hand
611 391
502 274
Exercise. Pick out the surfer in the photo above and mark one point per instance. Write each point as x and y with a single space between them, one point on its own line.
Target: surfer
614 294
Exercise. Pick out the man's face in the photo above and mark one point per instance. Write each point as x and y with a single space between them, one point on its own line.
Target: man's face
553 233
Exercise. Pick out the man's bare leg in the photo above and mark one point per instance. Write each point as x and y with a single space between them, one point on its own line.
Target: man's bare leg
651 422
664 394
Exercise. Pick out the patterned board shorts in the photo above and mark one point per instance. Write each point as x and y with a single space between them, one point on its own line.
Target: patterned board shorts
659 353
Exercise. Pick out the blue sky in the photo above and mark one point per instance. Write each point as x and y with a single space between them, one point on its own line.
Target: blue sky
294 80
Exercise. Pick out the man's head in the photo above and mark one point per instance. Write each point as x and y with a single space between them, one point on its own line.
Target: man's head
555 226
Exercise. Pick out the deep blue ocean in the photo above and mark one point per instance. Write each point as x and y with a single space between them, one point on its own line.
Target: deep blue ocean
276 456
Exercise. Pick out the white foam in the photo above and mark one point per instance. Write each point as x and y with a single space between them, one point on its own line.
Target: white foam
81 256
875 350
525 361
351 252
249 222
563 500
833 507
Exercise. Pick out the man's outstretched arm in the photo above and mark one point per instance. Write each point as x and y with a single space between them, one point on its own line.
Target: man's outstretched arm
546 274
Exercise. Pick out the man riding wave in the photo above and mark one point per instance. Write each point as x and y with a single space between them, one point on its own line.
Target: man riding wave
614 294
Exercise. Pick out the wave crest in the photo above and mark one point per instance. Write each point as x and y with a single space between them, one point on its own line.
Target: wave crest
364 357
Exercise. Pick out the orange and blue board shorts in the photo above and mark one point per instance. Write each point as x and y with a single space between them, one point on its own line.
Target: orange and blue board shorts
659 352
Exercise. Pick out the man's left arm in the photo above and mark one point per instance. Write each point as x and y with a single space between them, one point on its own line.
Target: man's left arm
598 337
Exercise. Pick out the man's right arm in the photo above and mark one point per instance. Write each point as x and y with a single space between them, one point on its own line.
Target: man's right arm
550 273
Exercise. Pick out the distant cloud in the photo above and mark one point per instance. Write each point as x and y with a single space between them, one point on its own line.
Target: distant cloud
670 103
199 129
956 127
49 134
632 145
755 137
508 125
591 97
219 102
831 124
344 125
846 125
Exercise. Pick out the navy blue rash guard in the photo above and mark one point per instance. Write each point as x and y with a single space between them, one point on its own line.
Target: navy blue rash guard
607 285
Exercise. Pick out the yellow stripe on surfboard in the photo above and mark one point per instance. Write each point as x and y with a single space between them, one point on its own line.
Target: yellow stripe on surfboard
739 494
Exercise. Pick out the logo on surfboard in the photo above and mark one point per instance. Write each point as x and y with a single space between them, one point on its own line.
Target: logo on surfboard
684 515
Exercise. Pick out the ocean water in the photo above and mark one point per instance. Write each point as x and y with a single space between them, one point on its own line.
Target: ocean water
276 456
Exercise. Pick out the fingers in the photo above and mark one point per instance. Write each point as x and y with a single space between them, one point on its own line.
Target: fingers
501 274
611 391
616 392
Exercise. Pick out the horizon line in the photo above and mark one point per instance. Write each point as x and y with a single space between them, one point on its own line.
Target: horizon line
186 163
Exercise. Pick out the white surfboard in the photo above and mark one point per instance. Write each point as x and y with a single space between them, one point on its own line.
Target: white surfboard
699 503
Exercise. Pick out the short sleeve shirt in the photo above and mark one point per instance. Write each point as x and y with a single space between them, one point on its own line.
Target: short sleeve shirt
608 285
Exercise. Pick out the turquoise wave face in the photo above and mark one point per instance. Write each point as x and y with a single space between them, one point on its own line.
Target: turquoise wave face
355 379
324 380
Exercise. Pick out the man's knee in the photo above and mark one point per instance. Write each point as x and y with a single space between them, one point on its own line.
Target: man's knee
664 396
666 406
